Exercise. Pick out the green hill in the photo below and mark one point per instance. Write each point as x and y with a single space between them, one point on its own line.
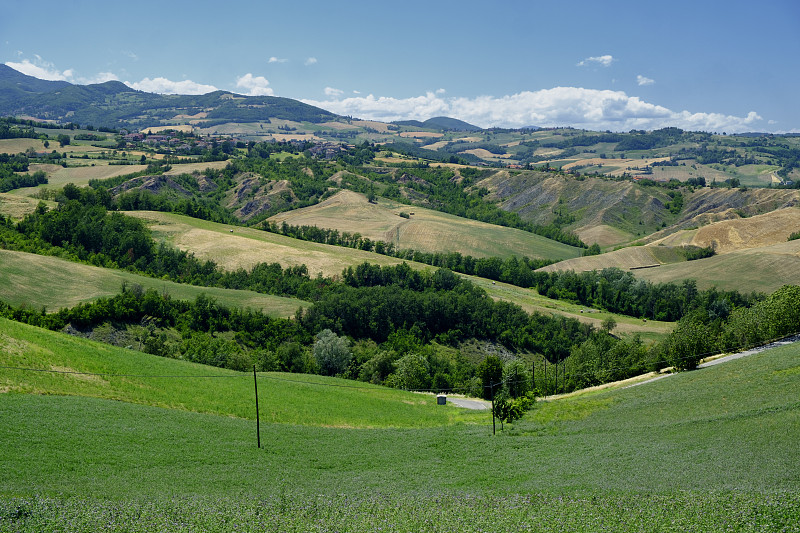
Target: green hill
114 104
87 368
708 450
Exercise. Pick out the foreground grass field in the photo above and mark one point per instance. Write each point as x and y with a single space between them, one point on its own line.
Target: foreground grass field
37 281
710 450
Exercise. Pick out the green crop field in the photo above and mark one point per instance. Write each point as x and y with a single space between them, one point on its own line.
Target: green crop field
42 281
709 450
426 230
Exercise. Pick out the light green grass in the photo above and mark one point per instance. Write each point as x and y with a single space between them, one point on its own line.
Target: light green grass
284 398
40 281
710 450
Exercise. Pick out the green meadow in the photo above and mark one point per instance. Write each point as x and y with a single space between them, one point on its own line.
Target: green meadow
709 450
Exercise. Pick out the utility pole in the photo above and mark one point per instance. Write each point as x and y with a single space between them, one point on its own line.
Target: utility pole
258 423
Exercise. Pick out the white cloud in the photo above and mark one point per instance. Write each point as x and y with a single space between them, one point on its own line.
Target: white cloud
274 59
254 85
40 69
165 86
603 61
310 61
44 70
641 80
561 106
330 91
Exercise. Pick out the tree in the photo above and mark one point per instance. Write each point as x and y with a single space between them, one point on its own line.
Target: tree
63 139
491 373
608 324
413 372
332 353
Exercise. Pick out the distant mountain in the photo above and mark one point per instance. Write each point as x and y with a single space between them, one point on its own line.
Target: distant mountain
439 123
114 104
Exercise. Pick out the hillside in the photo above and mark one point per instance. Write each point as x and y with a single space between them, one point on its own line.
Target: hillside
234 247
618 212
752 254
423 229
649 455
39 281
114 104
284 398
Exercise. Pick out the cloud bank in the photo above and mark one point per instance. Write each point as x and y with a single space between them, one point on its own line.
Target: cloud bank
166 86
560 106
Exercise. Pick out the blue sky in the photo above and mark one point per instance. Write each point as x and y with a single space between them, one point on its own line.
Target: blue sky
701 65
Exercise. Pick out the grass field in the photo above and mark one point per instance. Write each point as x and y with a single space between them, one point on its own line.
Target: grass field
426 230
136 377
233 247
710 450
38 281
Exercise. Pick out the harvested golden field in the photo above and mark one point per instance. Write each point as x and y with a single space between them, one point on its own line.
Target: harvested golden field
189 168
627 258
16 206
757 231
763 269
58 176
234 247
282 137
380 126
603 234
339 125
186 128
17 146
36 281
485 154
436 145
426 230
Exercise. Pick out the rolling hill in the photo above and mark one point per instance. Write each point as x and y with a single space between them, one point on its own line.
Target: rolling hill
752 254
423 229
39 281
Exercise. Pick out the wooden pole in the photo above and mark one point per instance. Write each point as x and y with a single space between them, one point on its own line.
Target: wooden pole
258 423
